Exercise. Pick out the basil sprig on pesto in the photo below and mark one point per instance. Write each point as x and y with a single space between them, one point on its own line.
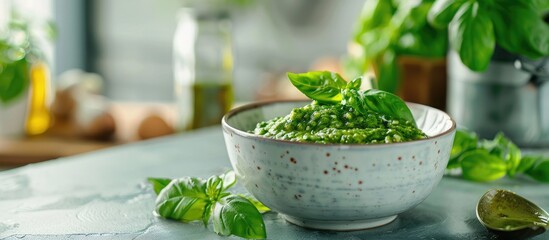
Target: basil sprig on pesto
330 88
342 113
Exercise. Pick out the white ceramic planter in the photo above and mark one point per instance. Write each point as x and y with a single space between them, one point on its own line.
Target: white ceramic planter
13 116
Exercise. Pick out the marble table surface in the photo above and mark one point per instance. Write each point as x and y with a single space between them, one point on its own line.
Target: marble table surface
104 195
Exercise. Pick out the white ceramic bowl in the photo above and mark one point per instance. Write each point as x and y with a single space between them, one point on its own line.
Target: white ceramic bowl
337 186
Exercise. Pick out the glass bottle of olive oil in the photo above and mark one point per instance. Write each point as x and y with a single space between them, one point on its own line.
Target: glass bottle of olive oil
203 67
38 116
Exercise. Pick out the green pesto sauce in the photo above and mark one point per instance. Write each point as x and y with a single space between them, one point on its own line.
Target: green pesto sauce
337 123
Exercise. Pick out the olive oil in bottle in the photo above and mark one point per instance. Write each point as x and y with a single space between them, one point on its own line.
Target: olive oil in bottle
38 117
203 65
211 102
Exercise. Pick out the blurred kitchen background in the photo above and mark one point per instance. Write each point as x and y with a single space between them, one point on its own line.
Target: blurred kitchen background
112 78
129 43
129 48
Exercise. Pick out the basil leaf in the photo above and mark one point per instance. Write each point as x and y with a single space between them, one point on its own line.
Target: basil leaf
207 213
229 180
471 34
443 11
512 158
541 5
214 186
237 216
260 206
418 37
526 163
375 13
322 86
184 199
540 170
480 165
503 148
526 35
14 79
217 185
381 102
512 155
463 141
375 29
355 83
388 72
159 183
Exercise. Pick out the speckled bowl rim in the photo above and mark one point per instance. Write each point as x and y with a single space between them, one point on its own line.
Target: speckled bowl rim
226 126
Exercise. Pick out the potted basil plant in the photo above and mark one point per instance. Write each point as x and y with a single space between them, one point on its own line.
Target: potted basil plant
407 54
497 66
24 78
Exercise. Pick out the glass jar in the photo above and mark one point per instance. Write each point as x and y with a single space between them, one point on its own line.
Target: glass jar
203 67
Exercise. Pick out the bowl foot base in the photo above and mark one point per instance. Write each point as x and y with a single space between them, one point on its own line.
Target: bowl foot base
339 225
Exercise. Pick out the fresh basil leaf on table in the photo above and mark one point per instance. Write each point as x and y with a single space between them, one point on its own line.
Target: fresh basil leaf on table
506 150
480 165
237 216
194 199
183 199
527 162
229 180
540 170
321 86
486 160
260 207
159 183
463 142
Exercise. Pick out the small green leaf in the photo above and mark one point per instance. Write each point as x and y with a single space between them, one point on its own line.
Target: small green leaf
512 158
463 142
14 79
540 170
505 149
388 71
378 101
526 35
238 216
443 11
184 199
214 186
355 83
217 185
159 183
260 206
471 35
322 86
541 5
50 28
207 213
527 162
229 180
480 165
375 13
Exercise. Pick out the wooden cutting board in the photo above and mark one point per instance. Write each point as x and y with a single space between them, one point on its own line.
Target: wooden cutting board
60 143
